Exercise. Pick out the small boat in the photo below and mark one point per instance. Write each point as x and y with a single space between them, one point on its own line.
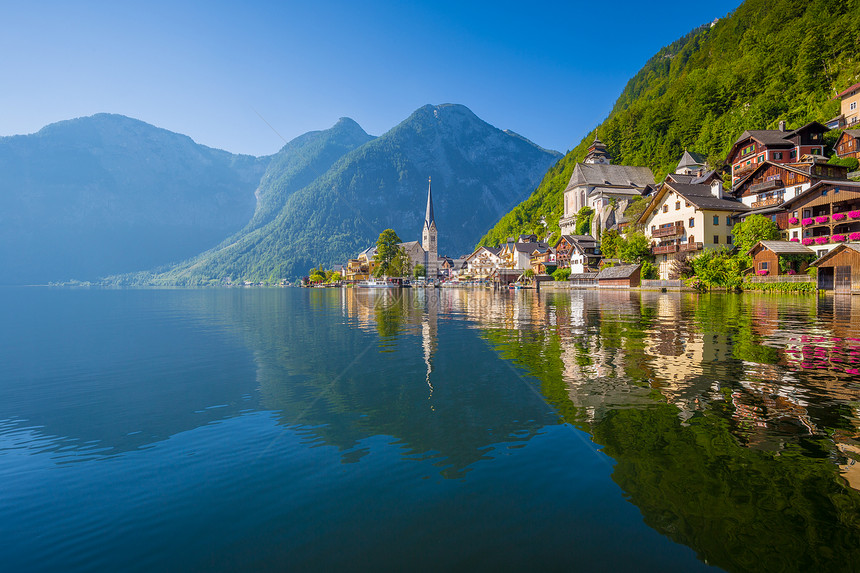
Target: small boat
377 283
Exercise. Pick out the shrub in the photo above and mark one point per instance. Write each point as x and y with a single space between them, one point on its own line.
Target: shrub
808 241
822 240
561 274
838 216
808 288
822 219
793 220
792 272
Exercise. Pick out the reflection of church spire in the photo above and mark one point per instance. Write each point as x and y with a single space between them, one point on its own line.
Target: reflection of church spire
428 341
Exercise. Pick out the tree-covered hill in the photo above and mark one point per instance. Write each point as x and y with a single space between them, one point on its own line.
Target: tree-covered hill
478 172
768 60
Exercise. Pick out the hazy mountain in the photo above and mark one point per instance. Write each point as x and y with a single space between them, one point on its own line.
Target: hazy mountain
105 194
479 173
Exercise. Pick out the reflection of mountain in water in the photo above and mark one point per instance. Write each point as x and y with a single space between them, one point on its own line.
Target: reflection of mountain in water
363 364
723 441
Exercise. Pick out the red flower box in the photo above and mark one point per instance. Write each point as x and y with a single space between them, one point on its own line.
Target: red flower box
762 272
795 240
838 216
793 220
838 238
822 219
807 241
854 236
822 240
854 214
807 221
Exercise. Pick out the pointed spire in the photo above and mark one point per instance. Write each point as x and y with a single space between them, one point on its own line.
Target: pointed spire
428 216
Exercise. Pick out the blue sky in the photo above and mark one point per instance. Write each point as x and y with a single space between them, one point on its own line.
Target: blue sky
549 71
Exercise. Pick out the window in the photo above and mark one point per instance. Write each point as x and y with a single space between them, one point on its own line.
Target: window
777 154
794 235
653 228
760 158
677 205
716 221
716 239
686 203
852 106
665 208
728 239
728 221
798 189
763 265
824 193
692 222
793 154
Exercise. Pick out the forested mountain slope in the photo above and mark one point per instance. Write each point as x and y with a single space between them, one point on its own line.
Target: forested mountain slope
478 172
768 60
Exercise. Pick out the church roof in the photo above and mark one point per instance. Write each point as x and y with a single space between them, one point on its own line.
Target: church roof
690 159
602 175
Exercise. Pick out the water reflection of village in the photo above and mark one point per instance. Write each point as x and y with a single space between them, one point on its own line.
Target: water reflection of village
779 370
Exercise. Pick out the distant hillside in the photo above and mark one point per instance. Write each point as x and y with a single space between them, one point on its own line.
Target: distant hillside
479 172
105 194
769 60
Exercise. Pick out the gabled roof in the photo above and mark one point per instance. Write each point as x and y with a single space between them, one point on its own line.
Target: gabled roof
529 247
835 251
690 159
698 195
846 91
765 165
852 132
773 138
783 248
842 184
619 272
605 175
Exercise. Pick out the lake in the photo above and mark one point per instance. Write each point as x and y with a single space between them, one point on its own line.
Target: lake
437 430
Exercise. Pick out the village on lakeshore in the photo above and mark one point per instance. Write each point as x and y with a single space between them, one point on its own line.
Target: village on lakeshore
778 215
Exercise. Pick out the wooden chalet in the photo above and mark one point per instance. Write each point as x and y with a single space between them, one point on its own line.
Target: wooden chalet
543 260
825 215
766 256
582 251
839 270
756 146
848 144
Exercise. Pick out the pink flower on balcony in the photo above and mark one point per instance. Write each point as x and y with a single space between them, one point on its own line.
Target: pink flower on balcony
838 238
822 219
807 241
822 240
793 220
838 216
854 214
792 272
762 272
807 221
854 236
794 240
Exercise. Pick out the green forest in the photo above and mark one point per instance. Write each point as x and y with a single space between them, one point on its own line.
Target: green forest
769 60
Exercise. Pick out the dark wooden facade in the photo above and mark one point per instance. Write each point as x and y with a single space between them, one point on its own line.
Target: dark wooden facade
765 260
839 270
848 145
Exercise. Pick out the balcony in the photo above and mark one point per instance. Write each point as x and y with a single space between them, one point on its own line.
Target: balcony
690 247
767 186
665 249
772 202
671 231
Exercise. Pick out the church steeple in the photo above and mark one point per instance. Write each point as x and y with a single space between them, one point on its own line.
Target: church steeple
428 236
428 216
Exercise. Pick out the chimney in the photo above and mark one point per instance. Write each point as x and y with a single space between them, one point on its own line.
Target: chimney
717 188
782 125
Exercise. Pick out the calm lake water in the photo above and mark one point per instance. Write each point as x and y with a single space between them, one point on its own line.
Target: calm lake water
327 429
